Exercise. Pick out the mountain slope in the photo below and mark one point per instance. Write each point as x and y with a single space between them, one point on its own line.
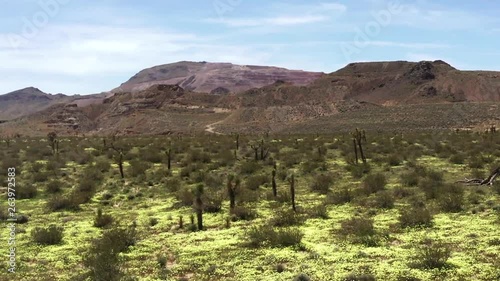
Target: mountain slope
31 100
214 77
377 96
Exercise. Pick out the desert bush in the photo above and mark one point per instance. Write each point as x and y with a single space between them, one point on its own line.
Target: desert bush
319 211
432 254
394 159
51 235
102 220
359 277
138 168
403 192
87 185
457 158
173 184
249 167
70 202
185 196
54 186
213 181
26 191
322 183
416 216
431 185
267 236
358 171
383 200
255 181
339 197
102 260
212 201
451 198
243 213
302 277
40 177
359 230
374 183
286 217
198 156
103 165
410 178
153 221
226 158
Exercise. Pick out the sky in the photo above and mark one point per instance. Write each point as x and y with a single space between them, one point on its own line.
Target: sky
91 46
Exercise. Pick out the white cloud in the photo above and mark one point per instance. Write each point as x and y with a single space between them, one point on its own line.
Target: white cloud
93 53
287 15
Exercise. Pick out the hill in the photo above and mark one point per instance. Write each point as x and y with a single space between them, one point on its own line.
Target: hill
31 100
375 96
217 78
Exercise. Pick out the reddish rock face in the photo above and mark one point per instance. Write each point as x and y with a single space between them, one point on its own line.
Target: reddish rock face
207 77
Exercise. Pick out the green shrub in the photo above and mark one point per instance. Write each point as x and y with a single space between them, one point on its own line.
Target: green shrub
457 158
394 159
451 198
102 220
138 168
415 216
268 236
243 213
374 183
359 277
51 235
302 277
286 217
321 183
339 197
432 254
359 230
54 186
102 260
358 171
249 167
103 165
40 177
255 181
410 178
320 211
384 200
153 221
26 191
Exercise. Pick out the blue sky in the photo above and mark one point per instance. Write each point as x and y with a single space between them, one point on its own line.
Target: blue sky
83 47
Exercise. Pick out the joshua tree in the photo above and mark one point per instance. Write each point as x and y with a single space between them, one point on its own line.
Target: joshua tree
275 191
237 141
53 141
261 151
181 222
168 152
291 180
355 150
358 138
198 205
119 158
232 187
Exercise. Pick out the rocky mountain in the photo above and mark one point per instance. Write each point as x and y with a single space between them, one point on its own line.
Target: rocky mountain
31 100
375 96
217 78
